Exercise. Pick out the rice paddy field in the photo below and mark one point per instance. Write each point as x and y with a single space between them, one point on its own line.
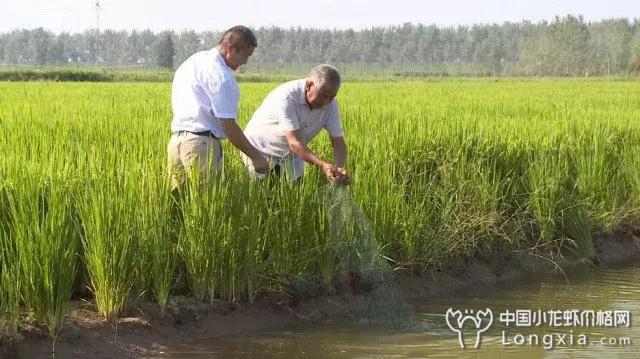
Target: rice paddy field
444 169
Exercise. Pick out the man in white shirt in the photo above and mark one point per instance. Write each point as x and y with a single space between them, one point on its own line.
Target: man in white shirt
204 99
290 117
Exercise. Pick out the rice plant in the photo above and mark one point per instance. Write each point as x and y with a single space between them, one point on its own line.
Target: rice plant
110 241
46 237
442 169
158 238
9 268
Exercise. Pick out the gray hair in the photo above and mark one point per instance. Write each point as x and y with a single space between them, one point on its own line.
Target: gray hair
324 74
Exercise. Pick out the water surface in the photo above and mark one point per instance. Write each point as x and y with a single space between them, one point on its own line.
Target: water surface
427 335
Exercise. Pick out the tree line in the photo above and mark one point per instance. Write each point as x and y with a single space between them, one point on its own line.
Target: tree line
565 46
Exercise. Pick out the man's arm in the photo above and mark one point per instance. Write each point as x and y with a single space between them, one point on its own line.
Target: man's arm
339 151
340 159
239 141
302 151
334 174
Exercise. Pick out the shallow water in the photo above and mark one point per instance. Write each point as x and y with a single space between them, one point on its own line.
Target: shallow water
428 335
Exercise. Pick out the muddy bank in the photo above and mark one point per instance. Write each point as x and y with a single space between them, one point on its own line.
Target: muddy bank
621 246
145 331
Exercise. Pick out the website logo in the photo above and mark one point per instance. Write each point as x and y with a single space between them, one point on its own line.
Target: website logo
480 320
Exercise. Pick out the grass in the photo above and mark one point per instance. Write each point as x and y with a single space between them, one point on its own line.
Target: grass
441 170
97 74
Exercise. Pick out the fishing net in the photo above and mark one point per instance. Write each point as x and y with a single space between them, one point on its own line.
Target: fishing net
360 265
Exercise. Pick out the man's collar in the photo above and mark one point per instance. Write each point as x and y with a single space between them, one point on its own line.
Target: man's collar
303 98
220 59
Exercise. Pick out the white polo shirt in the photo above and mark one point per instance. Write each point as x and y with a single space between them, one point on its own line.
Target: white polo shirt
204 90
286 109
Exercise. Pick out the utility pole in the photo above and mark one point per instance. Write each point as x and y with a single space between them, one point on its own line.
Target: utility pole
98 8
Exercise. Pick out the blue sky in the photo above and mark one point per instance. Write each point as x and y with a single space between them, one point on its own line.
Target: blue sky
79 15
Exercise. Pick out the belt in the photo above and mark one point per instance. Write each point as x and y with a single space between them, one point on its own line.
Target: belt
202 133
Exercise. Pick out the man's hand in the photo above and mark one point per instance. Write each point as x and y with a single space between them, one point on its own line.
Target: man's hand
333 174
340 176
238 139
261 165
336 175
329 172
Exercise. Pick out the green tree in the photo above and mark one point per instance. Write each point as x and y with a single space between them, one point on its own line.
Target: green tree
570 38
634 48
16 48
39 46
188 43
609 46
3 43
57 51
165 50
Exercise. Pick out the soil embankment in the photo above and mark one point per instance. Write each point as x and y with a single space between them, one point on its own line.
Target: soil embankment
87 335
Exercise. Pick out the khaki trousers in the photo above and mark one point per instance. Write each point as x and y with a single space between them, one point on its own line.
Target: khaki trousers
186 150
